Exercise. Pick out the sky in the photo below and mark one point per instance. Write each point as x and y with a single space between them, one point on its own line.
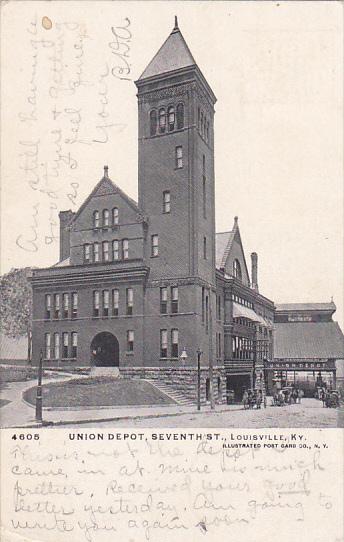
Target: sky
70 107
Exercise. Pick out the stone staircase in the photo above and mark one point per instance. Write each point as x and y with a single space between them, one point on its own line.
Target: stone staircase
176 395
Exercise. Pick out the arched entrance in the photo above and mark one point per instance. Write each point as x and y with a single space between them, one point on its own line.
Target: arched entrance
105 350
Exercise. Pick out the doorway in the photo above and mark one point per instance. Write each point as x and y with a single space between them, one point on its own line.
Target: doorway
105 350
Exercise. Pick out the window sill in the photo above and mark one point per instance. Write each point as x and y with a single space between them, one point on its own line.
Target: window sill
157 256
129 353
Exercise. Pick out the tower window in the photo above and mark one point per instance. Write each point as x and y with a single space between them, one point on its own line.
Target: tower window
105 302
175 341
179 157
105 251
96 303
106 217
206 314
166 202
115 302
96 219
162 120
174 299
130 341
87 253
115 250
125 249
171 118
96 252
163 300
155 245
153 122
56 345
199 119
205 248
163 343
202 122
47 345
204 181
237 269
203 297
130 301
180 116
115 216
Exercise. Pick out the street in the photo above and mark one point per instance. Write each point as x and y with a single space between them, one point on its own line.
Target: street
309 414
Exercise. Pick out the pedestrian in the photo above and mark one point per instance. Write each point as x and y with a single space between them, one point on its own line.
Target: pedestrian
300 395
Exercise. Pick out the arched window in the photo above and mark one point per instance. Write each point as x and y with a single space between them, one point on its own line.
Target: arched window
115 216
96 219
171 118
162 120
237 270
106 216
180 116
153 122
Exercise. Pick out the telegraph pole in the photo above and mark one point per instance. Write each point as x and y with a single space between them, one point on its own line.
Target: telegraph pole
199 353
39 417
211 364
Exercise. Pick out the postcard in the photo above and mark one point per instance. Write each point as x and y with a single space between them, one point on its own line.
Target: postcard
172 353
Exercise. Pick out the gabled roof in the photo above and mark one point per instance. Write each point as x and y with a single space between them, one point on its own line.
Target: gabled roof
173 55
308 340
281 307
106 187
224 242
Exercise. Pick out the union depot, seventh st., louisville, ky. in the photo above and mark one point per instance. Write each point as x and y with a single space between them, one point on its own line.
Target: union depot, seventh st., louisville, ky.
146 289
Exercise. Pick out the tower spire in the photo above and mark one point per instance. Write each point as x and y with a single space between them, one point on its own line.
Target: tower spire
176 27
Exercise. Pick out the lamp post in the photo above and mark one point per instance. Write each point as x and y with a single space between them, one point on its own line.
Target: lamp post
199 354
39 417
183 355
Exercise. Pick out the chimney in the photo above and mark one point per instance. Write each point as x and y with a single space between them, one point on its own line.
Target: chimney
254 271
65 219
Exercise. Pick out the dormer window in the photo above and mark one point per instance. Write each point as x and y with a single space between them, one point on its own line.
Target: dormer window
180 116
96 219
237 270
106 217
153 122
115 216
171 118
162 120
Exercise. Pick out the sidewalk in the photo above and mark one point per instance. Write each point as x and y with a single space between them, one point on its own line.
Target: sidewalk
18 413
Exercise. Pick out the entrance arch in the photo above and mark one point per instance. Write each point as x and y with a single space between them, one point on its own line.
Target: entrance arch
105 350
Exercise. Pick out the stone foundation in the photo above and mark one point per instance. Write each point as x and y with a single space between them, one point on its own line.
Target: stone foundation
183 380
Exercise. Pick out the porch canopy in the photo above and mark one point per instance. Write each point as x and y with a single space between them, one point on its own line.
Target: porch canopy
240 311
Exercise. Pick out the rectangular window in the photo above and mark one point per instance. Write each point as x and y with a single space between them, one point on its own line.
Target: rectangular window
105 251
74 344
56 345
220 346
65 345
179 157
174 299
87 253
105 302
205 248
125 249
166 202
57 306
219 308
96 252
74 304
48 306
115 302
115 250
163 300
130 301
65 298
47 345
174 343
203 298
96 303
130 341
204 182
155 245
163 343
206 314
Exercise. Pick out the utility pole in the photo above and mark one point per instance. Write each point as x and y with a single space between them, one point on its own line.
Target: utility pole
39 417
199 353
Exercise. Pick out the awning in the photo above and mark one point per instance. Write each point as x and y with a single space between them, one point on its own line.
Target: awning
240 311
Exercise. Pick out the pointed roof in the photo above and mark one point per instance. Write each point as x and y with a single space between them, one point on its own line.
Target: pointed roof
224 241
173 55
106 187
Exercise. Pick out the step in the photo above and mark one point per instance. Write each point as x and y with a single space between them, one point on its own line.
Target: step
174 394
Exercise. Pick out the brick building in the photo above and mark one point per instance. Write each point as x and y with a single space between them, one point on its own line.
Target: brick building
141 287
